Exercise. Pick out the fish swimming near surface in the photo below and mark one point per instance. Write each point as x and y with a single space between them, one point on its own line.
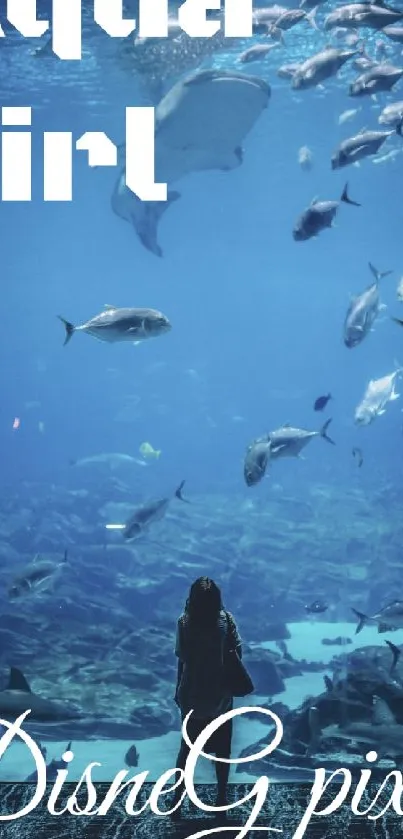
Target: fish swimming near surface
289 442
17 698
305 158
380 78
392 114
378 394
388 619
286 71
321 402
358 15
395 33
256 53
264 18
319 216
346 116
291 17
320 67
363 311
201 125
363 144
36 578
114 325
147 515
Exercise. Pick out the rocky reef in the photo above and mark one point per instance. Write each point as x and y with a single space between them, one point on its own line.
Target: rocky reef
360 710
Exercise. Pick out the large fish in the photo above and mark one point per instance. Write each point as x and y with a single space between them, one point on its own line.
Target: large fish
36 578
256 460
392 114
378 394
363 310
380 78
17 697
395 33
114 325
388 619
289 442
357 15
364 144
320 67
145 516
319 216
201 125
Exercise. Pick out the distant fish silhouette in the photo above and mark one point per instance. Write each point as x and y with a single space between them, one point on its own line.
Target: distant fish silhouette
321 402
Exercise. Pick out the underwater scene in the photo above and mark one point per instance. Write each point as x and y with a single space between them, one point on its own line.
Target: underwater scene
211 468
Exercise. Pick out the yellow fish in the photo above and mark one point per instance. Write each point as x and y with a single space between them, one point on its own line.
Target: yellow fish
147 450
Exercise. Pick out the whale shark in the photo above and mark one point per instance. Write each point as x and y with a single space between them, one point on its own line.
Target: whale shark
200 125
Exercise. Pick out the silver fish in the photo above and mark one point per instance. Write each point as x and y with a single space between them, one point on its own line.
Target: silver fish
256 460
395 33
320 67
356 15
114 325
36 578
388 619
318 216
265 17
392 114
143 517
255 53
380 78
362 145
378 394
289 442
291 17
363 311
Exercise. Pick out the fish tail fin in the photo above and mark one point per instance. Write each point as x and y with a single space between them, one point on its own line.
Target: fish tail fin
66 556
346 198
70 329
378 275
324 434
396 653
311 18
178 493
362 620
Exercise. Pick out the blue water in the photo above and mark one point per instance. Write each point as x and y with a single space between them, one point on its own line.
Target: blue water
257 317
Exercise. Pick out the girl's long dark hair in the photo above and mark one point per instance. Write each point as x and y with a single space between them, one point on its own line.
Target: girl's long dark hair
204 603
